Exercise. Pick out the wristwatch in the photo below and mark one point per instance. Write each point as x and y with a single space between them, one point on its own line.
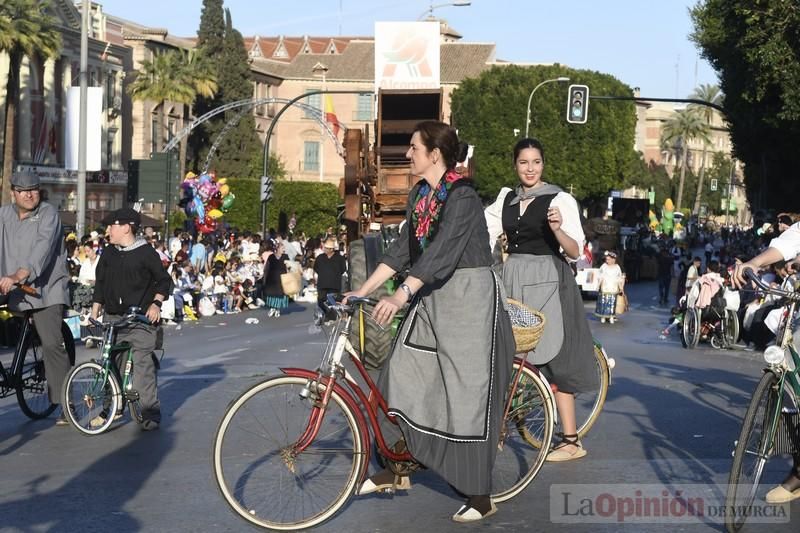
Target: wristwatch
406 289
158 303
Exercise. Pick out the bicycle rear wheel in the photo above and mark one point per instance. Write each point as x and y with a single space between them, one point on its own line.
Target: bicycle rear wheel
529 423
588 405
93 397
731 327
753 449
261 477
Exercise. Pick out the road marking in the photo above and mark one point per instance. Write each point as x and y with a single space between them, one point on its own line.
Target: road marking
211 359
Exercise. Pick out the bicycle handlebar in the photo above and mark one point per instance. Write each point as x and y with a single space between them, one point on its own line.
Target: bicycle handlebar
335 301
27 289
752 276
127 319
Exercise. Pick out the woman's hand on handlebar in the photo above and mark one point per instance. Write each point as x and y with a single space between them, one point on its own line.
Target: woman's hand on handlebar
739 279
387 307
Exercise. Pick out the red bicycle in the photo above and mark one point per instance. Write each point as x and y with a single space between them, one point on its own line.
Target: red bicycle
291 451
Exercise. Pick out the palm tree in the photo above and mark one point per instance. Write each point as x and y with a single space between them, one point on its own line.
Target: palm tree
713 95
685 126
176 76
25 30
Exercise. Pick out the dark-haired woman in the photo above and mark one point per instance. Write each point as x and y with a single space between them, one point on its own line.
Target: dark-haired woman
449 367
542 226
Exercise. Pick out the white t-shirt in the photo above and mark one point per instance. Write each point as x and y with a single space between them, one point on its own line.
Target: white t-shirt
788 243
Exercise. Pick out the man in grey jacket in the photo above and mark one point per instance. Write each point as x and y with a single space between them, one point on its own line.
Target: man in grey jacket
32 252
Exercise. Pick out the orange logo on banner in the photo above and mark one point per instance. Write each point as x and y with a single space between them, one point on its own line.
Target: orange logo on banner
407 49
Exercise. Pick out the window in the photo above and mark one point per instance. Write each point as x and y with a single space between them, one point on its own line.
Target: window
110 152
111 90
315 100
154 136
170 129
364 107
310 156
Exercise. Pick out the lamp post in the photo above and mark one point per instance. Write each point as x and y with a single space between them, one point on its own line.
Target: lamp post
528 111
431 7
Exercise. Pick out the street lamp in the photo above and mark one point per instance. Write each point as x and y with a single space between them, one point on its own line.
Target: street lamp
430 9
528 112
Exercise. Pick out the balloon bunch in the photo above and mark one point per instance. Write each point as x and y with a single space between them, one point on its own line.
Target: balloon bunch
206 199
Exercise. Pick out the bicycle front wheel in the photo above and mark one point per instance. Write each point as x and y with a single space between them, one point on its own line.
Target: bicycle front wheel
731 327
262 477
753 449
93 397
588 405
527 426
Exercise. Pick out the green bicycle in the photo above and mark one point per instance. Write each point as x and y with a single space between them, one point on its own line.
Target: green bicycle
771 424
96 391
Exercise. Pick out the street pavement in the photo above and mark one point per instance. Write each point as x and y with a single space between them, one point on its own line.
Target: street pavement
670 419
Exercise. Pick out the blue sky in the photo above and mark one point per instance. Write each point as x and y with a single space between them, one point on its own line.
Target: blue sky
644 43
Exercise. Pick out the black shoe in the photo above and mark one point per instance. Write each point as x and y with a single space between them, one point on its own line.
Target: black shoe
149 425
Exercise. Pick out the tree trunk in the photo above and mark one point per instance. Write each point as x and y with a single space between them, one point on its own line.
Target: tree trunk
12 95
699 196
683 177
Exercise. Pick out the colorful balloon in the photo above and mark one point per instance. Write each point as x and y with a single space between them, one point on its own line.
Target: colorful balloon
224 189
227 202
215 213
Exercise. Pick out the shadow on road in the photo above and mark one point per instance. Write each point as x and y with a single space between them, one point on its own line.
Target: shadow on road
95 498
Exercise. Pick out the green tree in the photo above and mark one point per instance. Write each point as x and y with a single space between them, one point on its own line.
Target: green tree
754 47
175 76
240 144
26 30
686 126
590 159
711 94
210 37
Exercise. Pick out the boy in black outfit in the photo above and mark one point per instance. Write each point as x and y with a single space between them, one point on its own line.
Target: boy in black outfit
130 274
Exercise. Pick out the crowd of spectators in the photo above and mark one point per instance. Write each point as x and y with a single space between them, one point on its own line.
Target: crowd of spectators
221 273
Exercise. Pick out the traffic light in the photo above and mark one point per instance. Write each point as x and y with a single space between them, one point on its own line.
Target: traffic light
714 184
266 188
578 104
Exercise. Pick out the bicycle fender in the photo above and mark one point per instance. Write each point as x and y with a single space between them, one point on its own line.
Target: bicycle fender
351 402
548 388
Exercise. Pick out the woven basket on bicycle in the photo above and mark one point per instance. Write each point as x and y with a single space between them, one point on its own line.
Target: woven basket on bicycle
527 324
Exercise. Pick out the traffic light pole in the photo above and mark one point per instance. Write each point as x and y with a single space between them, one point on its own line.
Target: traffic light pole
673 100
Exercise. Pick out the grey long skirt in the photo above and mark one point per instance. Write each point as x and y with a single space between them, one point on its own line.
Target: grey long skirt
565 351
447 375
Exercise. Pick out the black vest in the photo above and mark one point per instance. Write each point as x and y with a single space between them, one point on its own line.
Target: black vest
529 233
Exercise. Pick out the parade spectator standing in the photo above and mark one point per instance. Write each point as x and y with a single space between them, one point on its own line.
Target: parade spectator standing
198 255
693 273
665 266
32 252
274 266
130 274
611 283
329 268
709 249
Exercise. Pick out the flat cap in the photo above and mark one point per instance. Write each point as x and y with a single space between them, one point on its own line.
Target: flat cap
25 181
126 215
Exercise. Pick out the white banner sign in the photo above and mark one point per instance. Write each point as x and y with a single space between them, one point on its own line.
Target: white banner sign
94 127
407 55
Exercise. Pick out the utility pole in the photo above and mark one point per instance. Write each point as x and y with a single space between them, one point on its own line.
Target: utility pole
80 221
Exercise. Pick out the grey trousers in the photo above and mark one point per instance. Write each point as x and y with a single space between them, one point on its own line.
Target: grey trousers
56 360
143 341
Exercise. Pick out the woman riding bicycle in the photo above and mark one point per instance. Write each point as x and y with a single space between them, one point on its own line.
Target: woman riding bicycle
785 247
448 371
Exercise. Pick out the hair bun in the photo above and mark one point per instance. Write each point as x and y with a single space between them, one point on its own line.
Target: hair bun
463 150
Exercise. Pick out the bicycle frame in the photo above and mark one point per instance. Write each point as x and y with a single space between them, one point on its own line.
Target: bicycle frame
8 382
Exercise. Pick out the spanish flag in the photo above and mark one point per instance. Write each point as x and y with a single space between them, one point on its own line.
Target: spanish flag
330 115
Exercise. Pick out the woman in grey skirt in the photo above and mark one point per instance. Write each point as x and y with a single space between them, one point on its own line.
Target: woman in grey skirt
542 225
447 374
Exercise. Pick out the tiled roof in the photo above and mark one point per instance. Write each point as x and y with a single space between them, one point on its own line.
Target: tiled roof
356 63
295 45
